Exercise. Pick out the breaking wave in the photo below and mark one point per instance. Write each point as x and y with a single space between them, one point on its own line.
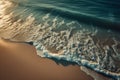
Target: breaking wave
63 34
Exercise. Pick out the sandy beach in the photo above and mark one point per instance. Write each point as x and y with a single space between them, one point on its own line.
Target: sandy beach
18 61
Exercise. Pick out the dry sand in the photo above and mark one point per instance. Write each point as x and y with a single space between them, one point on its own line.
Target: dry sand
18 61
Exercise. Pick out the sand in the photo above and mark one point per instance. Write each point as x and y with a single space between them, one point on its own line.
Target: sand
18 61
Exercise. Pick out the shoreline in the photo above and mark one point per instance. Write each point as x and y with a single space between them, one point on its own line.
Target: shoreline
19 61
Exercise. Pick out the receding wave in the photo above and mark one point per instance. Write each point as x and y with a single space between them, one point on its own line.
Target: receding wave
61 37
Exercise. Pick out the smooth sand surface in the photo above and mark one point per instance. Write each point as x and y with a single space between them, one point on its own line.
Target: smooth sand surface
18 61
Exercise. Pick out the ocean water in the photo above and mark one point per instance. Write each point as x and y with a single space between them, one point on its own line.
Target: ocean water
86 32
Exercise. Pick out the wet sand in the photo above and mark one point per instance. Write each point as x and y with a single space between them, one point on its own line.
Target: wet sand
18 61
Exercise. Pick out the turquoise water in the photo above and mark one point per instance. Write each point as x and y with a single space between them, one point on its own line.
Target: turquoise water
103 13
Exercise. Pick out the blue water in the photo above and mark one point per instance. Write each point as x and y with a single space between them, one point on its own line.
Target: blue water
82 31
103 13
